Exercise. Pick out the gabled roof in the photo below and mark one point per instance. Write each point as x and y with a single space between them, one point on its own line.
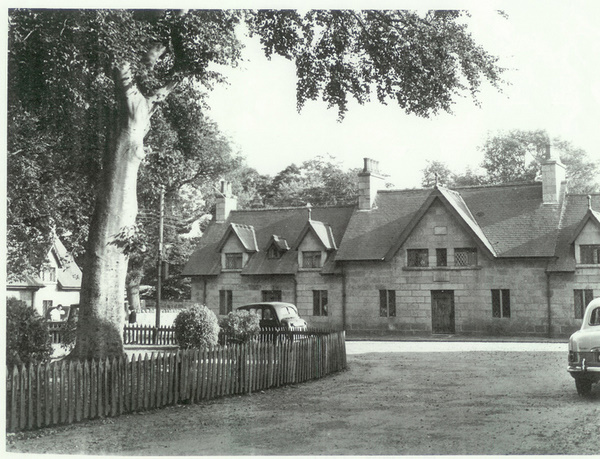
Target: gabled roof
245 234
27 282
321 230
508 220
286 224
590 216
279 242
457 207
68 274
575 215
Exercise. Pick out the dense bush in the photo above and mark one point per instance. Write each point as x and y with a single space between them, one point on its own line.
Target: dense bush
196 327
241 326
27 337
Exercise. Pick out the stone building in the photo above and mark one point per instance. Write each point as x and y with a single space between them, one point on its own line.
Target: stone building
515 259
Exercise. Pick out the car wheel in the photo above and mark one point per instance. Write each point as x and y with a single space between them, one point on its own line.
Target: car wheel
584 386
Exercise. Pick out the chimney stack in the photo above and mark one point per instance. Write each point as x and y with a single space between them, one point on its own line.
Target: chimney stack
369 182
226 202
553 175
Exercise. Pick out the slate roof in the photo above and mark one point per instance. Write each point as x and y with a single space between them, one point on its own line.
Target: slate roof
286 223
508 219
575 211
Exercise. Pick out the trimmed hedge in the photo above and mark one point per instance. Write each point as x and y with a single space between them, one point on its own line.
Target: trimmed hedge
196 327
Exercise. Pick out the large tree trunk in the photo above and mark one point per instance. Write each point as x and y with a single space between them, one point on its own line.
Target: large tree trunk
101 318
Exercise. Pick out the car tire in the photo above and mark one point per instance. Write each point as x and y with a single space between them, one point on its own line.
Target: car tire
583 386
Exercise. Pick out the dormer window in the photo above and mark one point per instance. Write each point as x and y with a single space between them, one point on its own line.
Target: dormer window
234 261
48 274
311 259
589 254
274 253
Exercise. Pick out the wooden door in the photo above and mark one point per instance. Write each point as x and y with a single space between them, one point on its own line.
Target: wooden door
442 311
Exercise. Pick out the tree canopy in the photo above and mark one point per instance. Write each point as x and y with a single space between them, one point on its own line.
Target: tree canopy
517 156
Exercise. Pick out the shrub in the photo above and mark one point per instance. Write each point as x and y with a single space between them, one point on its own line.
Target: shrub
241 326
196 327
27 336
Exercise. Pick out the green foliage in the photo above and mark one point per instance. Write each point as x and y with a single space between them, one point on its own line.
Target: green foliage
196 327
517 156
422 62
242 326
27 336
320 181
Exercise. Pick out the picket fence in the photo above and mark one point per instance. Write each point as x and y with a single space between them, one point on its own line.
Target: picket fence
65 392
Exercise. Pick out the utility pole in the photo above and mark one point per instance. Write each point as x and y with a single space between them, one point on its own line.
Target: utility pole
160 257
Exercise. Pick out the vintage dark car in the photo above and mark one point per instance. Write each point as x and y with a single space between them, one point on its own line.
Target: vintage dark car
584 350
276 315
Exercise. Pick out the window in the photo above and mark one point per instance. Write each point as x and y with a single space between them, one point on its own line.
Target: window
417 257
582 299
319 302
233 261
274 252
387 303
465 257
271 295
589 254
311 259
441 257
48 274
225 302
501 303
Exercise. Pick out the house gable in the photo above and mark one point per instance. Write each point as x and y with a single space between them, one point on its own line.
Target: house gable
587 235
454 206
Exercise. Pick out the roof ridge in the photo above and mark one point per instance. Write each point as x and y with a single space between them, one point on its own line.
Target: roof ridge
469 187
263 209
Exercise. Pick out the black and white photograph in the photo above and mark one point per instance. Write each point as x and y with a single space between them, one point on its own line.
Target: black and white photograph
301 229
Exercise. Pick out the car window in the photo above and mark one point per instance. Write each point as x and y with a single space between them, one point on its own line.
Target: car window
595 317
267 314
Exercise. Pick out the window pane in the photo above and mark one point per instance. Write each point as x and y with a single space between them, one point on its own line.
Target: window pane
324 302
316 303
465 257
496 303
233 261
271 295
382 303
578 302
589 296
590 254
417 257
311 259
441 256
392 302
505 303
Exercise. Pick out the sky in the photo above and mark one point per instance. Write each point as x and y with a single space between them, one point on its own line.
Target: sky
550 49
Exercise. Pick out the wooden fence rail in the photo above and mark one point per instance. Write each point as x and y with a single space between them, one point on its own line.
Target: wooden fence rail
71 391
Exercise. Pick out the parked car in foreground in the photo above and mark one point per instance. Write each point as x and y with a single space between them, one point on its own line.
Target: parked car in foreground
276 315
584 350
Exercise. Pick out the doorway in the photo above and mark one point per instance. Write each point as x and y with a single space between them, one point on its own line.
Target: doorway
442 311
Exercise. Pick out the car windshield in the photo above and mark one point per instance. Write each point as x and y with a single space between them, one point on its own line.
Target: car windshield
287 312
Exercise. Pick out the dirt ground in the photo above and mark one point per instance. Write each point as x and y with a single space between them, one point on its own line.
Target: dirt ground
441 403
